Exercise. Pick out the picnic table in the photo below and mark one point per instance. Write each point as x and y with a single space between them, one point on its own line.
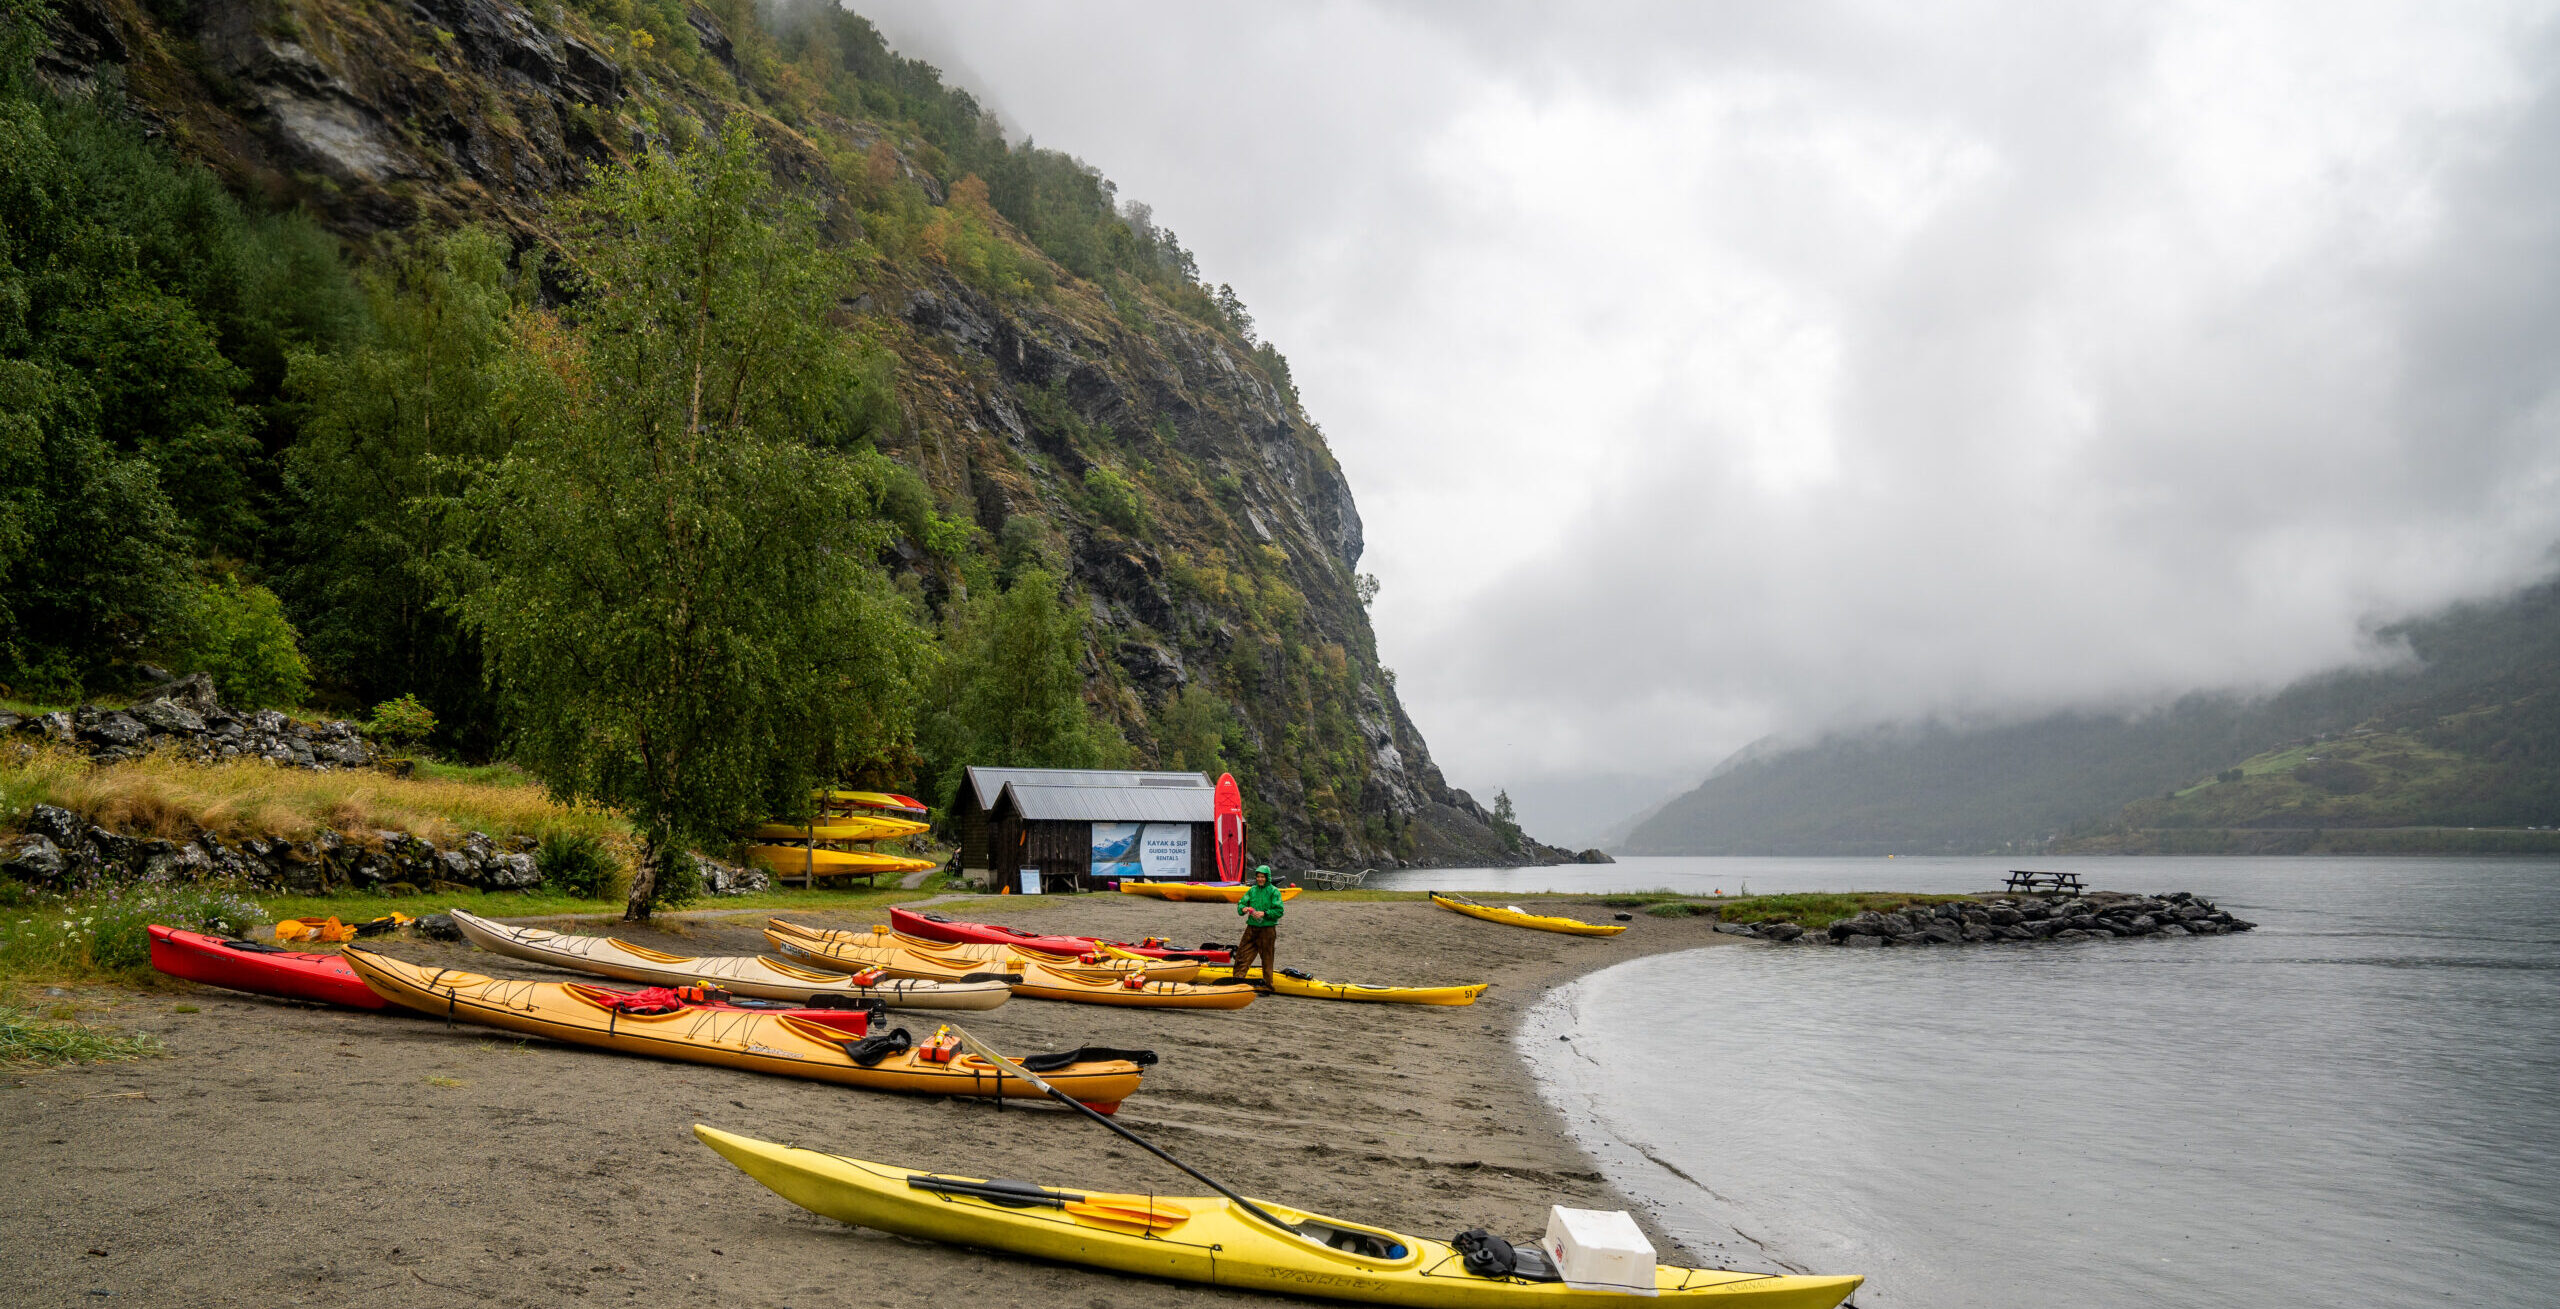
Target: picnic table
2024 879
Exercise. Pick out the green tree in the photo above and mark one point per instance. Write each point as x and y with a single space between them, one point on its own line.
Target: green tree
391 429
1506 823
1010 689
237 633
1195 731
680 604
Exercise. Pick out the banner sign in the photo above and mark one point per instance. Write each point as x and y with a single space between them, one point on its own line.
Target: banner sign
1115 850
1165 850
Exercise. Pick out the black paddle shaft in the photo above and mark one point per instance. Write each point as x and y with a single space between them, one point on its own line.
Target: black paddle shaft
1141 1142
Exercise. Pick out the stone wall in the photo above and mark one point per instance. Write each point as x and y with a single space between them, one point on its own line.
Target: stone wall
186 716
2033 918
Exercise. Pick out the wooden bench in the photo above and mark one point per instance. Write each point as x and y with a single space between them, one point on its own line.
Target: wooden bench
2021 879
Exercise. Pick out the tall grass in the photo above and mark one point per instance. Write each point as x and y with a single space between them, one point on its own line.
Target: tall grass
163 796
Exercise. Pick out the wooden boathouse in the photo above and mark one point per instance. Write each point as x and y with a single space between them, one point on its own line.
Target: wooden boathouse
1074 829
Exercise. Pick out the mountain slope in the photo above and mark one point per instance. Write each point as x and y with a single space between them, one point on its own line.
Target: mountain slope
2466 734
1071 396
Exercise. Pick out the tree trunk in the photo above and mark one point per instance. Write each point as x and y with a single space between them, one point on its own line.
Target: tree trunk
644 884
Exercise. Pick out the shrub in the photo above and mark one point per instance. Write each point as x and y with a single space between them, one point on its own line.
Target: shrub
576 865
679 883
238 633
403 723
1114 499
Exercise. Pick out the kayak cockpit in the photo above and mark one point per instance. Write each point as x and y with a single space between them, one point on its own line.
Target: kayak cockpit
1371 1245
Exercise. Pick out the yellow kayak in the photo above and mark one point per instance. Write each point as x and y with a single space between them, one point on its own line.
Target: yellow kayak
1230 892
1291 982
750 975
841 829
791 860
1523 918
901 955
1207 1239
759 1042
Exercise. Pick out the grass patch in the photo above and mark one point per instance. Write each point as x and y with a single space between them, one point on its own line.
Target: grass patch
1811 910
102 935
173 799
29 1042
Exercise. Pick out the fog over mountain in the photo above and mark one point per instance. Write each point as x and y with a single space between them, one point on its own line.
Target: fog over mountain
1712 371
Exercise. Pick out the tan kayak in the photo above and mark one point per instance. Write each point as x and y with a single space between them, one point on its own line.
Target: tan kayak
767 979
760 1042
904 955
1038 981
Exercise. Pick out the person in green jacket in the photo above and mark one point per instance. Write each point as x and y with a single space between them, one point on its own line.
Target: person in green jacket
1261 908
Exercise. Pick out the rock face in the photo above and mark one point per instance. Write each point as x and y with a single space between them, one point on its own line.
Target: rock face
187 716
2097 914
1228 561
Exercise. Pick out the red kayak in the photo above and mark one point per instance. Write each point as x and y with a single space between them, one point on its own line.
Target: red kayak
935 927
236 965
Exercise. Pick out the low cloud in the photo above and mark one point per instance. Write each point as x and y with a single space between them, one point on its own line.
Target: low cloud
1706 372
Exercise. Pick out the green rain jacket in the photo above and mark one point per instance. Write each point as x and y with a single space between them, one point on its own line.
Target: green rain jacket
1264 898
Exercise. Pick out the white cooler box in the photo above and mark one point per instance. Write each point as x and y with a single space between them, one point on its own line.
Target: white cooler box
1600 1250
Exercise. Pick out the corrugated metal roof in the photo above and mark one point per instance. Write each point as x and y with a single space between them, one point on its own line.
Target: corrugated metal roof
1115 804
990 782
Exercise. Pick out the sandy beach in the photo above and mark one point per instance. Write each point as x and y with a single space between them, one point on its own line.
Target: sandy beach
286 1154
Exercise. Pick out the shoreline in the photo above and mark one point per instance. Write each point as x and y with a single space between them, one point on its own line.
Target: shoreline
288 1152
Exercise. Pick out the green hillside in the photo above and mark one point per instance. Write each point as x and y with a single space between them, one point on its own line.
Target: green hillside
2466 736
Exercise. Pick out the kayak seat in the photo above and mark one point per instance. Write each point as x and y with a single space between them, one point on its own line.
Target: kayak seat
1368 1245
254 947
1300 973
869 1051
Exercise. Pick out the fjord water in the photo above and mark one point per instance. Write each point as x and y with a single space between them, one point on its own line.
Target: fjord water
2357 1104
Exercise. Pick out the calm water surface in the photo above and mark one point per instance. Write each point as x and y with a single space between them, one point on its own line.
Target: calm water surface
2357 1104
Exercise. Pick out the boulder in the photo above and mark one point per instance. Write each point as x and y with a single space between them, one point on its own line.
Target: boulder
170 717
1594 855
438 927
193 695
1943 933
115 728
1861 941
57 823
720 878
1778 931
510 872
36 860
1733 929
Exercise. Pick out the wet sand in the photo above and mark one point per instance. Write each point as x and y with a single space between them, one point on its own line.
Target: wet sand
286 1154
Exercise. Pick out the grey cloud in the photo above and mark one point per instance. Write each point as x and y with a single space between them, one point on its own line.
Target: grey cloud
1707 371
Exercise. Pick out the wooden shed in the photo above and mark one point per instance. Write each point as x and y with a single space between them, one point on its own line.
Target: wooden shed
1080 827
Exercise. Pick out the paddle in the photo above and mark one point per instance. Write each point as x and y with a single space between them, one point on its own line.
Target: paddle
987 1052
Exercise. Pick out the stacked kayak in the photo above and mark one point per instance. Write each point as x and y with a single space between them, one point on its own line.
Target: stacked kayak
861 828
792 860
1207 1239
1519 917
236 965
749 975
935 927
1031 978
1290 981
1196 891
779 1043
901 955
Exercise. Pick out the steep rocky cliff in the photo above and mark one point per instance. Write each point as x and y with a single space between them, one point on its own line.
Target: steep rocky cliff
1135 439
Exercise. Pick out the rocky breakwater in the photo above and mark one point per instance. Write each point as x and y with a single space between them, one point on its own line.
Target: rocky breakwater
186 715
2030 918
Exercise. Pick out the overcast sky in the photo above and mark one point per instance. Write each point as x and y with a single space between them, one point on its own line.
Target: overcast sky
1710 371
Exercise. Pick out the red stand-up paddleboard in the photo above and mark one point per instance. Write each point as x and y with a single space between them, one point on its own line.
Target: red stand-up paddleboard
1230 829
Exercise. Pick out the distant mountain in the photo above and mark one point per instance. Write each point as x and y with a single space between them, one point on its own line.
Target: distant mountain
2465 735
